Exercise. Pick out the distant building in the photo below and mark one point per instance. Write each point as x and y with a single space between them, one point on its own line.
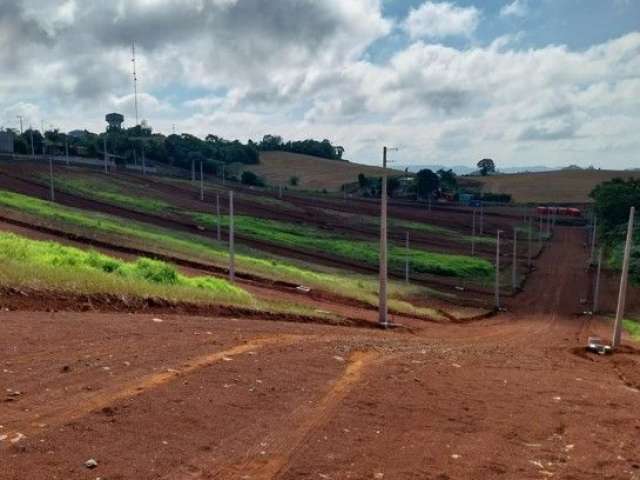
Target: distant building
6 142
114 120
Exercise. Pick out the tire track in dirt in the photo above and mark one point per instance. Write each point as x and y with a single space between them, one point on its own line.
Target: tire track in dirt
286 443
53 415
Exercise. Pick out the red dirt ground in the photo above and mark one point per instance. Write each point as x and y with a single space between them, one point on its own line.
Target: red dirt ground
511 397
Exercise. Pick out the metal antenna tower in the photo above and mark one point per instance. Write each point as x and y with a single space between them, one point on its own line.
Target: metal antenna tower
135 79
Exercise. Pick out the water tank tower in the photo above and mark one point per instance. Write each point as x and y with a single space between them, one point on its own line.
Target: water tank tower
114 121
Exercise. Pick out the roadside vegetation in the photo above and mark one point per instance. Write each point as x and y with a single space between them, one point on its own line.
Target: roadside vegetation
194 247
110 192
613 199
633 328
66 268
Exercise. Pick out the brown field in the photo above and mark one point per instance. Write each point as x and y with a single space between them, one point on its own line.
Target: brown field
562 186
314 173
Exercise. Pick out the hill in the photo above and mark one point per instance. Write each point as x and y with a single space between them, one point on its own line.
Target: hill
314 173
560 186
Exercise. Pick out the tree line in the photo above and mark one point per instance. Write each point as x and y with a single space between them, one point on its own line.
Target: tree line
613 199
183 150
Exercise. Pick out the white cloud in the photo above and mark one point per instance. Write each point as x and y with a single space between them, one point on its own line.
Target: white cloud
242 68
517 8
438 20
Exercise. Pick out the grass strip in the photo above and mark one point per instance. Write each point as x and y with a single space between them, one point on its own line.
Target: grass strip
305 237
79 271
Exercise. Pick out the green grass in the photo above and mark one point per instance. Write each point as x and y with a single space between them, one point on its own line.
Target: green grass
195 247
61 267
310 238
111 192
633 328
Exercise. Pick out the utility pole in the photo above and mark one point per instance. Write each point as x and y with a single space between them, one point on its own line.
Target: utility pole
144 163
66 148
530 240
481 218
514 273
382 294
193 170
223 174
497 286
596 290
232 259
540 228
19 117
33 149
219 236
279 191
106 167
406 264
624 277
201 183
593 239
473 234
52 193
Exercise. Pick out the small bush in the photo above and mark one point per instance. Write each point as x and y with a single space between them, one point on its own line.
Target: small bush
250 178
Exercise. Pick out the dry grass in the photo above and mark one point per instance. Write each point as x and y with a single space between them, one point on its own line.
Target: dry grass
313 173
562 186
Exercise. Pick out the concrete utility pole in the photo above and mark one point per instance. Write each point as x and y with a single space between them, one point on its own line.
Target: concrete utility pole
540 228
144 162
106 167
219 236
19 117
514 273
382 294
66 149
529 253
596 290
481 218
193 170
33 149
52 193
473 233
407 259
497 286
593 239
201 183
232 259
624 277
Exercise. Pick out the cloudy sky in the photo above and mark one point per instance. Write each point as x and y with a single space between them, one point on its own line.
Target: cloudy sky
526 82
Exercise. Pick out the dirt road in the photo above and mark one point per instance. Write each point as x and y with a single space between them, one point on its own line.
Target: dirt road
511 397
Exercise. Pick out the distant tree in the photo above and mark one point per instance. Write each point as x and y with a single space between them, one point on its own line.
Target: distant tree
363 181
250 178
448 180
316 148
294 180
613 200
393 183
486 166
427 182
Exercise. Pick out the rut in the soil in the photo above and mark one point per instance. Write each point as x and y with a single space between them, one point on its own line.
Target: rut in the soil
54 415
